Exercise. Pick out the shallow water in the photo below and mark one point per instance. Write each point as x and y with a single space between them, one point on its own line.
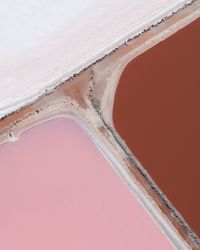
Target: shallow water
156 112
58 192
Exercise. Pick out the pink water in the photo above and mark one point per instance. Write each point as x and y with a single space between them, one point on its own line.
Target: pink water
57 192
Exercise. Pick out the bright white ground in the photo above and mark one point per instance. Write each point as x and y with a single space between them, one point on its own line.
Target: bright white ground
43 42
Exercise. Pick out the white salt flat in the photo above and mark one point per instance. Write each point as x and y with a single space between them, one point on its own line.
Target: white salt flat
44 42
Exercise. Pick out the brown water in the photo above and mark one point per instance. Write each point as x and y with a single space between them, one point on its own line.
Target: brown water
157 113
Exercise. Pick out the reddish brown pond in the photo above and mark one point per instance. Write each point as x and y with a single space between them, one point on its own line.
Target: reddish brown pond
157 113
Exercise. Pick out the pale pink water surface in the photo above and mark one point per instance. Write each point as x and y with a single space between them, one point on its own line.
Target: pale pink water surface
58 192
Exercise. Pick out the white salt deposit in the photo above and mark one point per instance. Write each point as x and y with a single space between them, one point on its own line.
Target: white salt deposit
44 42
